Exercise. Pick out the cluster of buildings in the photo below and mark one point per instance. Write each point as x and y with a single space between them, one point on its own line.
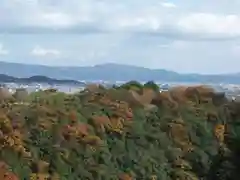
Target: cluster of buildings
36 87
231 90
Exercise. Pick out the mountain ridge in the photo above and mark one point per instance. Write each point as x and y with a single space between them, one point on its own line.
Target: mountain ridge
37 79
111 72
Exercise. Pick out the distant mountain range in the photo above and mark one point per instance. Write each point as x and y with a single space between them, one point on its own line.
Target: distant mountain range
110 72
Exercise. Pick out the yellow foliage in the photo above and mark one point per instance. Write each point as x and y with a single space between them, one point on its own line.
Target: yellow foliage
182 164
5 124
26 154
93 149
16 134
153 177
43 176
219 132
116 124
8 141
33 176
65 154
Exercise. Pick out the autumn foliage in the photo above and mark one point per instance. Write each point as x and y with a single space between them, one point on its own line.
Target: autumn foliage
129 132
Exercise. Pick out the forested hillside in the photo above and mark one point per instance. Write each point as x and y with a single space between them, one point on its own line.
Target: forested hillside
122 133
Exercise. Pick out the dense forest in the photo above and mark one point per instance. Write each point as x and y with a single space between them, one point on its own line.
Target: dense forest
125 132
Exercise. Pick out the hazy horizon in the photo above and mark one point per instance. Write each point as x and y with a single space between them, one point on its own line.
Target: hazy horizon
181 36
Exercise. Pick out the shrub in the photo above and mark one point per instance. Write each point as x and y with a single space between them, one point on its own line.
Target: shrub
152 85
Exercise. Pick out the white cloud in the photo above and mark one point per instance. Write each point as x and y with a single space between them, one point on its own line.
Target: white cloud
3 51
168 5
104 15
137 23
122 16
212 24
54 19
42 52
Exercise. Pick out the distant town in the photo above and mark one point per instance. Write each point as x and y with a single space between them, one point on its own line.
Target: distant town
231 90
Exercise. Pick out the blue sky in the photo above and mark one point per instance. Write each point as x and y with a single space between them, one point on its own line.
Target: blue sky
184 36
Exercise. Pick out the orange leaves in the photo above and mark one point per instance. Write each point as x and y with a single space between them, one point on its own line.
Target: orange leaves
122 109
125 177
180 136
101 122
148 95
165 100
124 112
15 142
10 176
78 131
177 93
97 120
82 129
129 113
219 131
3 169
5 124
5 174
196 94
200 94
73 117
121 113
104 101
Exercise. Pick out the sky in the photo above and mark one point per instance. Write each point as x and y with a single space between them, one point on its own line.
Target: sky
185 36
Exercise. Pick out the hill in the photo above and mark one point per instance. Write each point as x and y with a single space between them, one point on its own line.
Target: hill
112 72
123 133
37 79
